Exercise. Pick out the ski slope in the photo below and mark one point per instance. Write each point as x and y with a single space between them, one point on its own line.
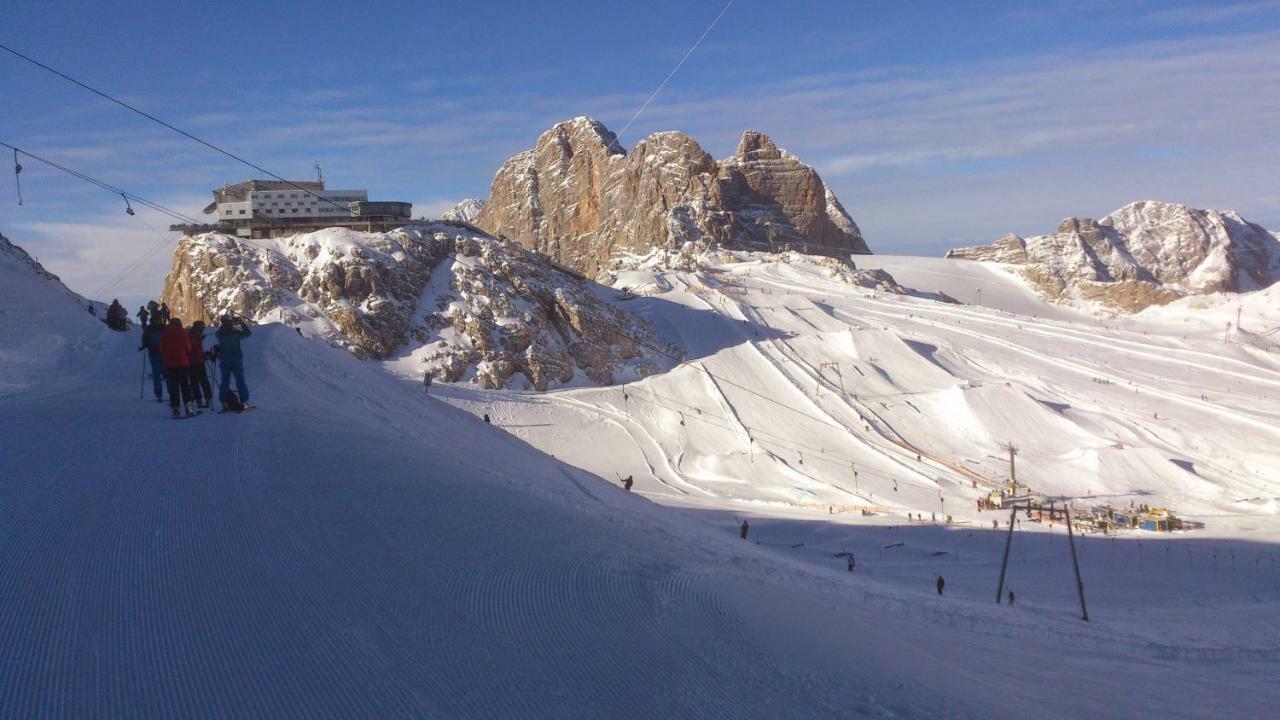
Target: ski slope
355 548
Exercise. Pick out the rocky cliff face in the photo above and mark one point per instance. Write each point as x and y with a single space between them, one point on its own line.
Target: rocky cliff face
1143 254
579 198
435 298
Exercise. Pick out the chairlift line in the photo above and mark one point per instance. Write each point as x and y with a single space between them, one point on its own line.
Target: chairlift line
178 130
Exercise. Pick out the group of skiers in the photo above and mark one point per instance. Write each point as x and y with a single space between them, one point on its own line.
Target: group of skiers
179 362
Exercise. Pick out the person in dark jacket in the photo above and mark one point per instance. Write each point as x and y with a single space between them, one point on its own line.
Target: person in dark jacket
117 316
142 315
198 374
941 584
164 313
627 482
151 343
175 350
1010 597
229 335
742 530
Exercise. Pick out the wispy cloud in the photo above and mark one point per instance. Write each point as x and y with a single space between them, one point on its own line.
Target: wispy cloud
1202 14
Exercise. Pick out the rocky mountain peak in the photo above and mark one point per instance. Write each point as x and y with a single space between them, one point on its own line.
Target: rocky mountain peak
755 145
1142 254
580 198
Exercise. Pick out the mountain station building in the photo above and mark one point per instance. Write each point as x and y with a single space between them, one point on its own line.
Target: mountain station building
271 208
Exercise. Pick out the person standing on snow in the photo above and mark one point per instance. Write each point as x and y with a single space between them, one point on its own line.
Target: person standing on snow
164 313
198 374
142 315
151 343
175 348
941 584
627 482
426 382
742 530
1010 597
232 359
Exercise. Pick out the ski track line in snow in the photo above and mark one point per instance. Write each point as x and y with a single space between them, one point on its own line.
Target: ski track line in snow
1084 370
779 370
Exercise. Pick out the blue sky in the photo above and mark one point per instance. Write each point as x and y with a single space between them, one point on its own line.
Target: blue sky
937 124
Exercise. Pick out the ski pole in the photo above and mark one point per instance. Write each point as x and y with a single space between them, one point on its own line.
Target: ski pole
142 381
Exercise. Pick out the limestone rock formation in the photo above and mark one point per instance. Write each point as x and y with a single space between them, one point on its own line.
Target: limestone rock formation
435 298
580 198
1145 253
464 211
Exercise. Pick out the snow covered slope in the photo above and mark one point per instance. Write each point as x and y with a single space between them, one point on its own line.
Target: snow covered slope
796 380
355 548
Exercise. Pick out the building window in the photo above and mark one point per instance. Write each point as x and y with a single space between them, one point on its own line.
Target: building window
294 210
293 195
241 212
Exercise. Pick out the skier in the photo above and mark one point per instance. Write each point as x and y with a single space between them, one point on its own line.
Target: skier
116 315
627 482
1011 597
151 343
941 584
742 531
175 349
486 418
164 313
201 391
850 558
142 315
232 360
426 382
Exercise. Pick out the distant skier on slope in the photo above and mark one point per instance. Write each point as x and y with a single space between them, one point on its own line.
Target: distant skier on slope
851 562
175 349
1011 597
151 343
426 382
742 530
941 584
627 482
201 391
232 359
142 315
164 313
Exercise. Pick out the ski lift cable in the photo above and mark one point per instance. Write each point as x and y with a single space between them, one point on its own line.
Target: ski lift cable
106 186
674 70
178 130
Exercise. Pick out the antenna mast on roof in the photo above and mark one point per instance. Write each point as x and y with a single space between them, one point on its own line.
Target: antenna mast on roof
319 173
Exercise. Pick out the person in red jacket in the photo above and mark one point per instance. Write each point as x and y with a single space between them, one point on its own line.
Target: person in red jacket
175 353
198 374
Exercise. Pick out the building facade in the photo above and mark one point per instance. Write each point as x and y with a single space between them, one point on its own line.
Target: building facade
266 208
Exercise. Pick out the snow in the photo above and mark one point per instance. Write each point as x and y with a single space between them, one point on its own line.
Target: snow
356 548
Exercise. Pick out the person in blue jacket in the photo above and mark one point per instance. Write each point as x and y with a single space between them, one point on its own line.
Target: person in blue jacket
151 343
229 335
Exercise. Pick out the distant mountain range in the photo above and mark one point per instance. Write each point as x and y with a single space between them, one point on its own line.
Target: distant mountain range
1145 253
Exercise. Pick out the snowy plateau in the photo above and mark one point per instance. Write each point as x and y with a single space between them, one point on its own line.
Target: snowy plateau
359 547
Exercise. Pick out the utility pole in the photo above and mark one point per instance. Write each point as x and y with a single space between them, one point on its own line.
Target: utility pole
1084 611
1008 542
1013 474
